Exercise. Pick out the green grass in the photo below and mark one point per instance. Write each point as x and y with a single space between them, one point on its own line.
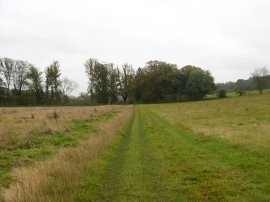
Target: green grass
215 150
157 159
240 120
42 146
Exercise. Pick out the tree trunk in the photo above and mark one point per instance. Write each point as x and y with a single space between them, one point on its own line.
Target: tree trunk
109 102
125 98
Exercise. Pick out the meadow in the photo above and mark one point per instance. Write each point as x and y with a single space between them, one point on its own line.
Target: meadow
33 134
241 120
213 150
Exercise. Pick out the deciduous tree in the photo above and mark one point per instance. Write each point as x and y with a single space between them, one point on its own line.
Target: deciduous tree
127 77
98 80
199 83
19 75
52 82
35 83
260 78
157 82
68 86
113 83
6 68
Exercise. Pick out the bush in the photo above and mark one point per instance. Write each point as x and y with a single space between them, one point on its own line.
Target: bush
54 116
221 93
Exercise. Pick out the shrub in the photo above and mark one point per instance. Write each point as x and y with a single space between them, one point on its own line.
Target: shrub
221 93
54 116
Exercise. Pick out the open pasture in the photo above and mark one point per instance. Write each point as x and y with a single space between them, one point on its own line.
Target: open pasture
241 120
215 150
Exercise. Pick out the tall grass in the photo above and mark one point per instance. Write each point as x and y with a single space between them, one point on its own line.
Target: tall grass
33 134
17 124
59 178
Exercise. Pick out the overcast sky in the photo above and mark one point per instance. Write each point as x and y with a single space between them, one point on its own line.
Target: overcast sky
229 37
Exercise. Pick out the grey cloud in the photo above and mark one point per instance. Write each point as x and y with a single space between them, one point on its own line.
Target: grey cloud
230 38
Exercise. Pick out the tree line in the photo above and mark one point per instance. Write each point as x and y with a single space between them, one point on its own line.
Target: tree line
156 82
21 83
259 80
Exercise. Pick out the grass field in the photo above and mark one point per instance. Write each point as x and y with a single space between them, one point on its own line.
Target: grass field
58 177
215 150
31 134
200 151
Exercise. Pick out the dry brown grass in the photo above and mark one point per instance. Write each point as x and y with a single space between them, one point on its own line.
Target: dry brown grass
58 178
19 123
4 136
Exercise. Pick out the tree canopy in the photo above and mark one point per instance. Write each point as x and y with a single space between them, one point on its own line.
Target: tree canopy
103 81
157 82
22 83
260 78
198 84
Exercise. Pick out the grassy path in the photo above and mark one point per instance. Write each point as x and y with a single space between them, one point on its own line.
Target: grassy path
154 160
